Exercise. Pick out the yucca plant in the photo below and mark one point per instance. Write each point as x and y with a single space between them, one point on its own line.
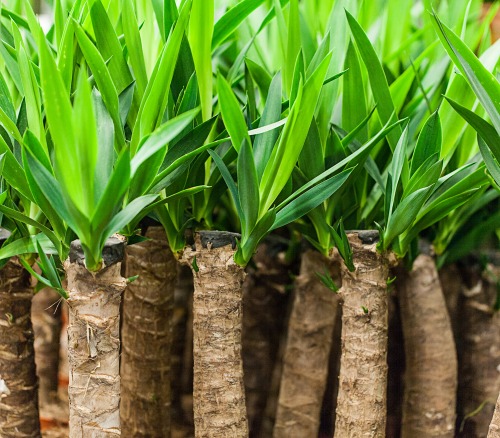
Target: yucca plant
487 89
315 306
96 189
18 380
263 171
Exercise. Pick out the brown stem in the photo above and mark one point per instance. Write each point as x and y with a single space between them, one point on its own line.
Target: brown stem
219 395
431 362
19 416
94 344
494 431
46 318
479 356
147 337
308 347
361 408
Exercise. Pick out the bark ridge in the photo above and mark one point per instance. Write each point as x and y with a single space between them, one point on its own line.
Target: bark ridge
219 395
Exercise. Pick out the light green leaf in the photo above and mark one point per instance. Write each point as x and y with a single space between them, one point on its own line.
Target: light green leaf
405 214
248 188
201 27
310 199
231 114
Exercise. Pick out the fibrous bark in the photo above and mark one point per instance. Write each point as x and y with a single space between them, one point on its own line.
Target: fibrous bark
308 347
431 362
219 395
147 337
361 405
19 416
494 431
94 343
46 318
479 354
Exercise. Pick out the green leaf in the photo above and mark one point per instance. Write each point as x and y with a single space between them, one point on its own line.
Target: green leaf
264 143
378 80
134 46
104 81
491 163
201 27
429 142
161 137
232 19
247 248
293 45
86 145
311 158
154 102
5 100
48 267
27 245
484 84
105 151
481 126
52 191
428 173
354 107
46 205
229 181
248 188
13 172
112 197
109 47
231 114
355 158
405 214
126 215
310 199
285 155
397 164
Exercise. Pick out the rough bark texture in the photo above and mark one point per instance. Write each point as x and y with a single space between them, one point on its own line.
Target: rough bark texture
451 283
147 337
264 311
494 431
93 349
361 408
431 362
329 406
479 355
308 347
46 319
219 395
19 415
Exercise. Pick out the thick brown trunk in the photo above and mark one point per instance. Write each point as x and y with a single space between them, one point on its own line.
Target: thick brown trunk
479 356
494 431
94 343
431 361
308 347
264 311
219 395
147 337
19 415
361 408
46 318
